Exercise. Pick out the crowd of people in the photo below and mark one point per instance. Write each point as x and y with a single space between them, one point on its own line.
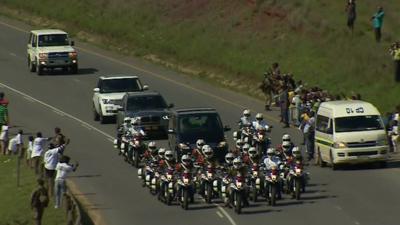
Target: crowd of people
44 155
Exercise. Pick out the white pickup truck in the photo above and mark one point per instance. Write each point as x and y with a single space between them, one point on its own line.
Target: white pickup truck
48 49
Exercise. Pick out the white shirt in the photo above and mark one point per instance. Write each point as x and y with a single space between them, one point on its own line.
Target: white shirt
62 170
4 133
14 142
38 146
269 162
51 158
261 123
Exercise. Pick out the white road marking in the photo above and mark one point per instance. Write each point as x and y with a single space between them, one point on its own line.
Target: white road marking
338 207
111 140
58 112
357 223
76 80
13 54
85 126
226 214
28 97
220 214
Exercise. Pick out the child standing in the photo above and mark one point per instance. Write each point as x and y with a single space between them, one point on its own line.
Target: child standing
29 151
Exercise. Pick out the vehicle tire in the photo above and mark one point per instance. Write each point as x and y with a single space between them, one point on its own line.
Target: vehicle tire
238 202
208 192
297 188
185 202
272 199
383 164
96 116
136 162
39 70
32 67
102 119
74 69
168 197
318 160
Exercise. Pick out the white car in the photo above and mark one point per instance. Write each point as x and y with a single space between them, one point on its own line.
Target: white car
108 94
48 49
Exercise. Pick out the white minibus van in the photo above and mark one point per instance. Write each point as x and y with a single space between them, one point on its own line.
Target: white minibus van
349 132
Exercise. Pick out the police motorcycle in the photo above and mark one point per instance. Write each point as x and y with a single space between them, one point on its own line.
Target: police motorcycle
121 132
261 141
186 183
167 180
273 185
150 167
297 178
238 188
136 149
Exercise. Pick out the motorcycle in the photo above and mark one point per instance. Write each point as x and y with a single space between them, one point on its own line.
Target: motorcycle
185 189
238 193
261 142
167 190
256 182
135 150
207 183
272 187
297 178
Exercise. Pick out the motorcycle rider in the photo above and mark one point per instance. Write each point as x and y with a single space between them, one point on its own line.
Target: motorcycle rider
136 129
238 147
123 132
260 122
286 137
151 153
296 153
260 138
254 157
185 165
238 169
245 119
247 133
271 159
197 152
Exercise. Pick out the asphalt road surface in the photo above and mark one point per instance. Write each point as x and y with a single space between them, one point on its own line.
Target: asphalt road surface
110 187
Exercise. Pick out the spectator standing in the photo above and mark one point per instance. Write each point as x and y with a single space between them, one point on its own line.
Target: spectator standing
4 139
51 158
63 168
37 151
284 104
309 135
59 138
351 14
3 110
29 151
39 201
266 88
377 22
396 58
15 144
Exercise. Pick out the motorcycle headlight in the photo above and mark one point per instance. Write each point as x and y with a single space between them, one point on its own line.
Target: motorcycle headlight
222 144
298 171
185 180
183 146
209 175
273 177
339 145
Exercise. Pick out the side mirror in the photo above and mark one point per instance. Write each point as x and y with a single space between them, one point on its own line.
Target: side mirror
96 90
72 43
227 128
145 87
171 105
171 131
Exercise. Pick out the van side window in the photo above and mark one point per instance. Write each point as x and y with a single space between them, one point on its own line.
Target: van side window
34 40
322 124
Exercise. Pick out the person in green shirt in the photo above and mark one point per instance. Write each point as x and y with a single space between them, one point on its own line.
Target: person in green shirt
3 115
377 22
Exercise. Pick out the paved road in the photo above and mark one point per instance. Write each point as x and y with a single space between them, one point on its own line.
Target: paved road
349 196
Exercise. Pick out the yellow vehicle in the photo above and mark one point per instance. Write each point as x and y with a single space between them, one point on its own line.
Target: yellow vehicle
350 132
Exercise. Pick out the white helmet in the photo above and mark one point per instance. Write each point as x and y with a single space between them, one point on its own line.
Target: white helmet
169 155
286 145
239 143
253 152
270 151
296 152
161 153
246 113
246 147
186 160
229 157
237 162
207 151
127 120
259 116
235 135
136 121
200 143
152 146
286 137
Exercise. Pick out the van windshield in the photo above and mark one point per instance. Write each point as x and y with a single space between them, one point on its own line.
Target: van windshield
200 126
358 123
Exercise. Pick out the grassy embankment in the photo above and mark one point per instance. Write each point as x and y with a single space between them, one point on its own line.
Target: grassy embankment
233 42
15 201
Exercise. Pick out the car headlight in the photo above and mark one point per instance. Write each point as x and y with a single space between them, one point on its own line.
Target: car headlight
43 56
339 145
73 55
109 101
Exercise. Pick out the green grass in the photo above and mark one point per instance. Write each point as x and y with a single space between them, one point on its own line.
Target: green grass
236 41
15 201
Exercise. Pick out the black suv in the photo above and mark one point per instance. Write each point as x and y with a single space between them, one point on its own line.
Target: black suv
152 109
186 126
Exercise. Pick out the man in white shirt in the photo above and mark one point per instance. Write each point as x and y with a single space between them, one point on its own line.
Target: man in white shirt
50 163
15 144
3 139
63 168
37 151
